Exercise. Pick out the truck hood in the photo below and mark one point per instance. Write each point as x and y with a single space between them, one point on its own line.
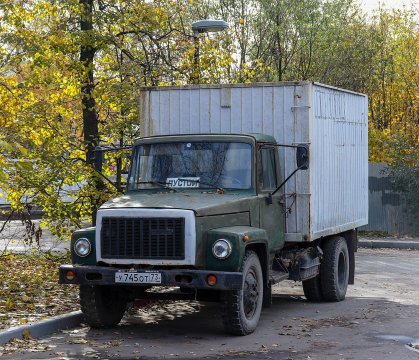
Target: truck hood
204 204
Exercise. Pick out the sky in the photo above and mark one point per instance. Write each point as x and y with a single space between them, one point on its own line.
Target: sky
369 5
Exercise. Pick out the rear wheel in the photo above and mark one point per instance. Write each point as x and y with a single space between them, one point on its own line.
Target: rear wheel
242 308
103 306
334 273
332 281
312 289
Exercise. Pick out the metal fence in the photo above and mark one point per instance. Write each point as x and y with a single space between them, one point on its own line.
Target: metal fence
387 207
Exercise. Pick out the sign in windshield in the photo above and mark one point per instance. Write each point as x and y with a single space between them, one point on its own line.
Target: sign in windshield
193 165
190 182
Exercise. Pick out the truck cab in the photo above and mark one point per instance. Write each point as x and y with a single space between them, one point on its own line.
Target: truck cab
203 214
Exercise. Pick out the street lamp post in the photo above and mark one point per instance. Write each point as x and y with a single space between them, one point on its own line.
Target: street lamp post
199 27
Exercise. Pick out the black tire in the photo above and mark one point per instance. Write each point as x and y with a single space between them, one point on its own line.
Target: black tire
102 306
334 271
242 308
312 289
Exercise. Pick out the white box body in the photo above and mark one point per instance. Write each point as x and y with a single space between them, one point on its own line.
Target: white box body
328 198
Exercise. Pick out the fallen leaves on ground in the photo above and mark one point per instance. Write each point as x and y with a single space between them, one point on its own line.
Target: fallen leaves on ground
27 345
30 290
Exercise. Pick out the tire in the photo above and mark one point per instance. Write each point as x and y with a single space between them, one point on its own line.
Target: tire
102 306
334 271
312 289
242 308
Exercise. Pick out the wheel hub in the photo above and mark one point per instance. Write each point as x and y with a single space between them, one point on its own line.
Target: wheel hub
250 295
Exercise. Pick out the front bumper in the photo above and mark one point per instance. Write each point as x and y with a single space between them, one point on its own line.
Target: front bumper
194 279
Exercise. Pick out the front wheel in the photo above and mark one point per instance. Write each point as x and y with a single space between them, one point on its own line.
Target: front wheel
103 306
242 308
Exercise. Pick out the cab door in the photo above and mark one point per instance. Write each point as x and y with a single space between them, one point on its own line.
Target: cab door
271 209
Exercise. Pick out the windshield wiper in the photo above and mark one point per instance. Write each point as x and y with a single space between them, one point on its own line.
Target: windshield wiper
219 189
160 183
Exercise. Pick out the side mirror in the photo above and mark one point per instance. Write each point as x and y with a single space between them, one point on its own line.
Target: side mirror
302 157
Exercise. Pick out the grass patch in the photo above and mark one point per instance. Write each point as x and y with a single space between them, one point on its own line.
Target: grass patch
29 288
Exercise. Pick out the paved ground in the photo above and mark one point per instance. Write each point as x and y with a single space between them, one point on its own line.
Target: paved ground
376 321
15 238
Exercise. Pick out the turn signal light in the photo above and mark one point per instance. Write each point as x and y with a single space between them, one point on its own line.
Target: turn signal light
70 275
211 280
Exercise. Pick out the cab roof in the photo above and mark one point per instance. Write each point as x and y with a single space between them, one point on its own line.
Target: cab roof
257 137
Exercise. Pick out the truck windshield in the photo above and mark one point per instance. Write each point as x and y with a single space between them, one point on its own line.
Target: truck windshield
199 165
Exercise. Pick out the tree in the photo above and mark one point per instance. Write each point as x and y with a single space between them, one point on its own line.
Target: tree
70 74
71 70
392 88
45 151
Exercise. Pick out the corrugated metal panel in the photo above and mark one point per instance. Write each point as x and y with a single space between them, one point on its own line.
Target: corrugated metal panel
339 150
332 121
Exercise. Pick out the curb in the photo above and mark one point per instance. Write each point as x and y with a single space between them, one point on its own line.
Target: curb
388 244
44 327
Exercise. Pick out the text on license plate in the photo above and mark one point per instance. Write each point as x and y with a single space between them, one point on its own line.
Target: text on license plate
138 278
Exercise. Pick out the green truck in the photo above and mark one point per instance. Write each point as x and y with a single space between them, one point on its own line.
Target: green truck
220 212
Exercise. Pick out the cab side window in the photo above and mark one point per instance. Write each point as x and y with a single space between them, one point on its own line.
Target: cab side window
269 181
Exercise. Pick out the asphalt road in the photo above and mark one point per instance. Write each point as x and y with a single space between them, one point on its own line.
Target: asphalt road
379 317
14 237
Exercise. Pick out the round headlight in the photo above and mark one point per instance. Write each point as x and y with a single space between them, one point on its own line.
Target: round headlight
222 249
82 247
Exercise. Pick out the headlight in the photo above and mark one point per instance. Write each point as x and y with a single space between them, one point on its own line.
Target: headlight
222 249
82 247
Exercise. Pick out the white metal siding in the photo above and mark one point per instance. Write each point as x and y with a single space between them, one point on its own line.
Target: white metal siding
339 166
332 194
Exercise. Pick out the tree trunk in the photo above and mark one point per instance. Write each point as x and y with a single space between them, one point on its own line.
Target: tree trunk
87 53
90 119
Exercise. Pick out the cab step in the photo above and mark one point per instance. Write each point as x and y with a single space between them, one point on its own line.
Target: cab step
276 276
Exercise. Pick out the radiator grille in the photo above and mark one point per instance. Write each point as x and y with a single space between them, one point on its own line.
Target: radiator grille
143 238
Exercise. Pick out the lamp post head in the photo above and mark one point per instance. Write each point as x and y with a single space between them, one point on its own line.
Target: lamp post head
199 27
204 26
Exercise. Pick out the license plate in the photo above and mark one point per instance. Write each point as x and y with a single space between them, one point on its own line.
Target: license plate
138 278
